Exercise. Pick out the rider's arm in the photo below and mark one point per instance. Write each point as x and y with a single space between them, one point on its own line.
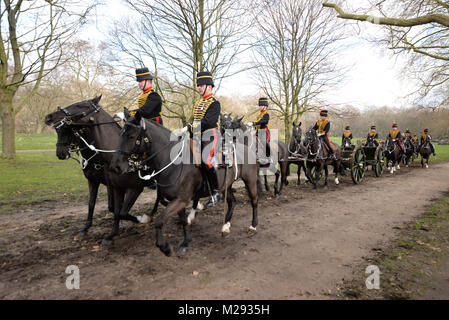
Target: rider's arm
152 106
264 120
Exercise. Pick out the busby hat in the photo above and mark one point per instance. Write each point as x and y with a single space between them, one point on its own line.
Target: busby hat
143 74
426 130
407 131
347 128
204 77
394 125
263 102
323 113
373 127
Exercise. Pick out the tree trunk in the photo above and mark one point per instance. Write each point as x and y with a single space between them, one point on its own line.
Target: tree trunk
287 128
8 135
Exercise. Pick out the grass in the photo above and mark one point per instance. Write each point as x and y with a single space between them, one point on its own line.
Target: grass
408 263
38 177
35 141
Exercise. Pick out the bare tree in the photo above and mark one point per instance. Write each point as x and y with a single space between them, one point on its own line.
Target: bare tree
295 56
33 34
420 27
181 38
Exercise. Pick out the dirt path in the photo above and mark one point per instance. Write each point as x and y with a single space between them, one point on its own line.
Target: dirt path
306 243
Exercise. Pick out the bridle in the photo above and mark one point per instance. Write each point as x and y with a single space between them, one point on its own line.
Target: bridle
137 159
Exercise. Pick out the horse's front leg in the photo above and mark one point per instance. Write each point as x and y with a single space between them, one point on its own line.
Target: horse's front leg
131 196
326 174
231 201
173 207
93 192
187 233
119 194
276 182
337 164
267 187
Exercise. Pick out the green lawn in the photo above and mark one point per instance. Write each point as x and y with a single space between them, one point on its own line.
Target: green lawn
38 177
35 141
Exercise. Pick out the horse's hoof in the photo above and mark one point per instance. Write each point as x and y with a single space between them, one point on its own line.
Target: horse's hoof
165 249
80 236
143 219
277 195
107 243
226 229
286 183
251 231
181 251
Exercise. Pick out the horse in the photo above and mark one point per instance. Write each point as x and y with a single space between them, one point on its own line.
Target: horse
86 123
425 151
252 142
346 144
318 157
393 154
409 150
296 152
182 181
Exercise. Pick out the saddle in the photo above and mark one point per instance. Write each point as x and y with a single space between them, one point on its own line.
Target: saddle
334 147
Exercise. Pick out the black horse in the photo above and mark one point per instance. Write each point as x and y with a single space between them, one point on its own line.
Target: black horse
318 157
250 140
181 181
393 154
409 150
425 150
297 152
87 124
91 163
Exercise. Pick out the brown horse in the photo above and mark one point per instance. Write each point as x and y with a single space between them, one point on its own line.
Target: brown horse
277 147
179 180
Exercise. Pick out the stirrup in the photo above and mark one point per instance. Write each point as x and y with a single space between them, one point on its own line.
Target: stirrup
214 198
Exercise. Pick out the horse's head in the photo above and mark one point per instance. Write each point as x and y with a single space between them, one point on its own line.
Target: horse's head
346 143
297 132
132 145
370 141
225 121
311 139
78 112
62 119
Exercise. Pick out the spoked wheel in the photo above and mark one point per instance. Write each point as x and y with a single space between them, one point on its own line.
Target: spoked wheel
358 166
380 162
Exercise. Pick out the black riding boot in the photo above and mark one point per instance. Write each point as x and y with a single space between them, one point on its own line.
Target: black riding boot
213 182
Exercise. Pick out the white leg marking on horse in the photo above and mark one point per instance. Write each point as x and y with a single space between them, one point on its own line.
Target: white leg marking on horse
200 206
399 167
142 219
251 228
336 181
226 228
392 170
191 216
427 166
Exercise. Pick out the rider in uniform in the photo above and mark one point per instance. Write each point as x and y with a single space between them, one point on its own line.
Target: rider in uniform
262 128
322 127
206 113
347 134
424 139
149 102
373 134
395 134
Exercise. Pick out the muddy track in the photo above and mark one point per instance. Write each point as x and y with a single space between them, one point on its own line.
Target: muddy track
306 243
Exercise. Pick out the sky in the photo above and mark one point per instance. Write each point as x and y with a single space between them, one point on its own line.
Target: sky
373 78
